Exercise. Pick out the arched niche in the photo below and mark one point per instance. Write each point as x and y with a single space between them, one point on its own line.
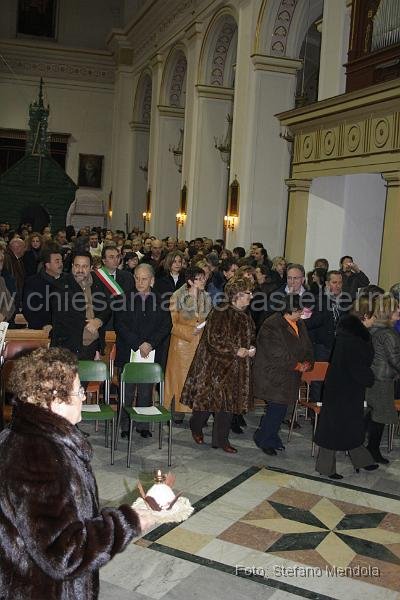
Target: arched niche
173 86
218 54
282 26
142 104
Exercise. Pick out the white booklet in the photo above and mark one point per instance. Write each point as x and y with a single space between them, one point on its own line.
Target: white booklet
91 408
137 357
3 332
146 410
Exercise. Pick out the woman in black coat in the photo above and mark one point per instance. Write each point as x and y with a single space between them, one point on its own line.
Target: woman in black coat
53 535
341 421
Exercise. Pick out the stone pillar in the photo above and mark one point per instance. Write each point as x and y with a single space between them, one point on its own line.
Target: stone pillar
140 132
122 148
389 271
157 65
296 227
335 31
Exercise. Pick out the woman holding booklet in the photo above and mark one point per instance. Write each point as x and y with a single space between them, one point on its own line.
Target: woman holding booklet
189 308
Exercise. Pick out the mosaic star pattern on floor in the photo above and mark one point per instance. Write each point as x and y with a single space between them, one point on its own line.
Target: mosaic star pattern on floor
292 532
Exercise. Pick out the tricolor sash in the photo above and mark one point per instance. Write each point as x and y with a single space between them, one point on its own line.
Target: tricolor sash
110 283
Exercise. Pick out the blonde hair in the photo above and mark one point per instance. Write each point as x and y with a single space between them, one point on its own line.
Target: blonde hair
384 307
277 260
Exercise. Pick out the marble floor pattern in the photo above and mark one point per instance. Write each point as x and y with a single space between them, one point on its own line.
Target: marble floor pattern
257 532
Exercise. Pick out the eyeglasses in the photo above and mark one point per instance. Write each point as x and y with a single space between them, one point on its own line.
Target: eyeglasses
80 393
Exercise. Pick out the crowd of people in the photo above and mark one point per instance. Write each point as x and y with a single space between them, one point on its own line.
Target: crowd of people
227 326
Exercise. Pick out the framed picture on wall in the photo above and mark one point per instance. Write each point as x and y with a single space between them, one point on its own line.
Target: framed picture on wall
37 18
90 170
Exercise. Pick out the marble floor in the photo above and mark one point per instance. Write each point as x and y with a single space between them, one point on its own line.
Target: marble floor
257 532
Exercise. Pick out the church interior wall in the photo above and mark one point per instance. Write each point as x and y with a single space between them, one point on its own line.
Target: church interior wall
83 111
345 216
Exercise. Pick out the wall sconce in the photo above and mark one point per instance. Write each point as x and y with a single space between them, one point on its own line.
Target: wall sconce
223 145
230 222
110 212
182 214
232 216
177 151
147 212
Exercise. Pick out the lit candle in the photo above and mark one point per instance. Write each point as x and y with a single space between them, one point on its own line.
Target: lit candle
159 477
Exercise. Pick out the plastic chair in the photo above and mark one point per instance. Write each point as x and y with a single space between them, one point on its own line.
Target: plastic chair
97 371
318 373
144 373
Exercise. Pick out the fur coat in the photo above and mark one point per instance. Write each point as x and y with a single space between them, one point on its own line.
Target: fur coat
341 420
53 537
218 380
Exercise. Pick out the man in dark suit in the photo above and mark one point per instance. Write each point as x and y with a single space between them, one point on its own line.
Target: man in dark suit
79 310
37 289
143 326
111 258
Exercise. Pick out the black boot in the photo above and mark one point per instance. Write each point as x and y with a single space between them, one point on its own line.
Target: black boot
375 431
241 421
235 426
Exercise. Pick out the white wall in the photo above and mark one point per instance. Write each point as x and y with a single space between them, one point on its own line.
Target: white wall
168 191
207 207
345 216
81 23
83 110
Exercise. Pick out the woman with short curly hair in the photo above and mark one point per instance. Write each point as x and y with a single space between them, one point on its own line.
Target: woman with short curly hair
54 535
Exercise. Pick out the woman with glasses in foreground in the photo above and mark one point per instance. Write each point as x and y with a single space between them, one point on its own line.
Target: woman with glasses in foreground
54 537
219 376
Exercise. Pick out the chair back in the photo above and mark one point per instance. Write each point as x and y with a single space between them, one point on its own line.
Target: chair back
318 373
142 373
111 360
92 370
15 348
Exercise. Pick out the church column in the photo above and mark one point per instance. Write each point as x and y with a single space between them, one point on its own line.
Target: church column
335 29
154 176
122 138
190 174
389 271
296 228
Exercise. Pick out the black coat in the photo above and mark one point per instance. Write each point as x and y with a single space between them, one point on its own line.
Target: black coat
341 421
321 325
279 350
354 281
142 321
36 299
68 312
53 536
166 285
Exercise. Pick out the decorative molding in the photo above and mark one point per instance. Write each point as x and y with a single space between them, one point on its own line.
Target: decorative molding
355 132
281 27
155 25
222 44
42 60
263 62
177 81
298 185
146 103
171 111
215 92
392 179
139 126
194 30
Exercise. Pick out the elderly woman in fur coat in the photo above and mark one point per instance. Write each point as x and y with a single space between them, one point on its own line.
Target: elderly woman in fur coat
341 421
53 535
219 377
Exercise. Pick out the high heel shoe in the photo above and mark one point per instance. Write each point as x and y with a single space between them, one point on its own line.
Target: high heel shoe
368 468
